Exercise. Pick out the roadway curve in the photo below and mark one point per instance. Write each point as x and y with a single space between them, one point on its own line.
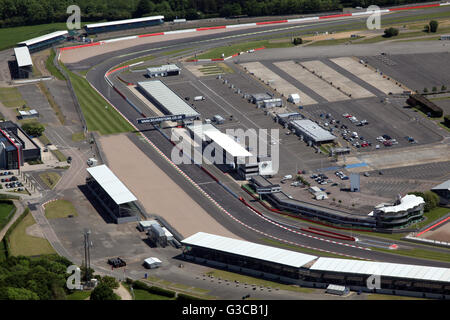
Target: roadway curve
255 226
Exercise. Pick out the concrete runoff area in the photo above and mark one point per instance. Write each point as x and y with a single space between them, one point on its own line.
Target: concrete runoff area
312 81
276 82
368 75
155 190
337 79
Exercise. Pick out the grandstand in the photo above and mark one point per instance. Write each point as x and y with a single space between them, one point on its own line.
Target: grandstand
123 24
44 41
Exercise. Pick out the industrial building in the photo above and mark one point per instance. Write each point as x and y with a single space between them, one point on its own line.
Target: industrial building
28 114
123 24
285 118
164 71
166 100
258 98
16 147
404 211
311 131
443 191
24 62
112 194
270 103
312 271
45 41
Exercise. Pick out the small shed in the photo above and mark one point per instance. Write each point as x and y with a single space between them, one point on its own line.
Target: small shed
146 224
335 289
152 263
294 98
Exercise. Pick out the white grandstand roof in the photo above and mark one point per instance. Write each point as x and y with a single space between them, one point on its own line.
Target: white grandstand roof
111 184
23 57
113 23
199 129
407 202
383 269
227 143
443 186
249 249
167 98
312 129
44 38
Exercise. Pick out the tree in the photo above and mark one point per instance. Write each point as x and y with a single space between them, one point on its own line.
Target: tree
443 88
434 89
431 200
390 32
426 28
103 292
111 282
20 294
425 90
433 25
33 128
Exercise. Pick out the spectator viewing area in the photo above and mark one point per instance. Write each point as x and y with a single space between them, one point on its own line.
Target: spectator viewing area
112 194
44 41
123 24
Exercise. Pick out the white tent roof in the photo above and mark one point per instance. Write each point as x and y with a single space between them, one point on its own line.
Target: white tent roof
382 269
44 37
407 202
227 143
111 184
152 260
127 21
249 249
23 57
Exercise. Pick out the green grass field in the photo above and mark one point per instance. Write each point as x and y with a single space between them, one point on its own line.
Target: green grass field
376 296
59 155
79 295
239 47
23 244
52 68
60 209
332 42
11 97
99 114
50 178
6 213
432 215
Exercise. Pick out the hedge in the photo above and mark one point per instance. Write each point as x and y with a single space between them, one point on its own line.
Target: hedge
447 120
156 290
182 296
11 228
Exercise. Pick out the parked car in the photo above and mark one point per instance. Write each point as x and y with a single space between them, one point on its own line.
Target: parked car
117 262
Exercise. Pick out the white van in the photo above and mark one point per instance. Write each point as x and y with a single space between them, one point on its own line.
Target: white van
199 98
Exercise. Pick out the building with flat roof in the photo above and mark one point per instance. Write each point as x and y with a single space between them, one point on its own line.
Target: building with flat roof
123 24
443 191
164 71
44 41
24 62
165 99
28 114
16 147
112 194
311 131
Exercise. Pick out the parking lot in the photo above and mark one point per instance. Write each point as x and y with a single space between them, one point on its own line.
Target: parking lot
11 182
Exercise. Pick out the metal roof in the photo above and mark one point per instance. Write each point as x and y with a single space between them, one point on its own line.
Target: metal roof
127 21
167 98
443 186
23 57
164 68
199 129
249 249
227 143
313 130
44 38
111 184
383 269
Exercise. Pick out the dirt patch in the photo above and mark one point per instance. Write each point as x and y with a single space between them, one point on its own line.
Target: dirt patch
440 233
156 190
39 60
35 231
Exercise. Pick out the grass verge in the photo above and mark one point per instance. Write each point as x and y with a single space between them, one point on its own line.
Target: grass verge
60 209
59 155
23 244
140 294
11 98
52 102
99 114
52 68
6 213
50 178
376 296
78 136
79 295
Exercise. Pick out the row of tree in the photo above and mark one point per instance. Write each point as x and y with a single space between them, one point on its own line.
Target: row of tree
31 12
